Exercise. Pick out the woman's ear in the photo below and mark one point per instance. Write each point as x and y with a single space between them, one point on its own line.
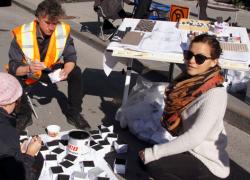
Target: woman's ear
214 62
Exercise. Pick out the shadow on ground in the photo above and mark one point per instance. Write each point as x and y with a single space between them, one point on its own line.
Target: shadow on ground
91 27
45 94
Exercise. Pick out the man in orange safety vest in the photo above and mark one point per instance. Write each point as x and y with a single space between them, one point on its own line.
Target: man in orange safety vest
41 47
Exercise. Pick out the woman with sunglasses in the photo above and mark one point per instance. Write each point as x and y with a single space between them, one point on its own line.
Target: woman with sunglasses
16 162
195 105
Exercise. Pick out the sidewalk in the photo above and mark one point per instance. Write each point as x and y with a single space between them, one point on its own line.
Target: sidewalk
238 113
83 11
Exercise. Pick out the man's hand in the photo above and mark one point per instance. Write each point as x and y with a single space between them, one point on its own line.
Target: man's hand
36 66
68 67
63 74
142 155
34 146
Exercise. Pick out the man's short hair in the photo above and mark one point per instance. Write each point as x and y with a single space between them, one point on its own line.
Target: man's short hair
52 8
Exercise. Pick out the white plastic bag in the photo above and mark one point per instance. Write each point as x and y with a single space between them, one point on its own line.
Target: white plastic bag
143 111
237 80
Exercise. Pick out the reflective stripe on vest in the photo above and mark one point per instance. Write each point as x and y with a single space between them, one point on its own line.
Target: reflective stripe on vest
27 40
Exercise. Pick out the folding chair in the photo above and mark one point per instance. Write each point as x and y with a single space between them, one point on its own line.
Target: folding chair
106 10
26 93
141 9
177 12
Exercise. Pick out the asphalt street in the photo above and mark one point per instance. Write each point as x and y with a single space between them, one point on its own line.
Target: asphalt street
102 96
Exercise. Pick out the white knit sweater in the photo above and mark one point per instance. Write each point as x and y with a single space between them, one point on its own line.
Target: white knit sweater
204 134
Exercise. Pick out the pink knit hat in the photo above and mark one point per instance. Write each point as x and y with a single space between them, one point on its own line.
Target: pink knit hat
10 89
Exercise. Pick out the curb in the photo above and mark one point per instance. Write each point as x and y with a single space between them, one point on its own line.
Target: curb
237 113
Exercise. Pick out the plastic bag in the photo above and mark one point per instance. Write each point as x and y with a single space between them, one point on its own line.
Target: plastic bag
237 80
143 110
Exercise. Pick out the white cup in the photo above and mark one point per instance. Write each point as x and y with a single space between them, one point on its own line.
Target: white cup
53 130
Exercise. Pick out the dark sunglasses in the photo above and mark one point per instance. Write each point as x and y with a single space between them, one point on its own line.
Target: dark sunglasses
199 58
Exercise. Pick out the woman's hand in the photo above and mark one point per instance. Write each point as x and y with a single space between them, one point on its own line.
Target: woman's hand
142 155
34 146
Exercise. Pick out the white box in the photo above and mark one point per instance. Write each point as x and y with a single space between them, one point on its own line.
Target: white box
70 157
92 143
86 166
63 177
59 152
120 146
110 127
112 138
54 171
96 138
50 160
79 176
44 151
103 176
120 166
106 145
68 167
52 144
94 173
99 150
94 132
104 132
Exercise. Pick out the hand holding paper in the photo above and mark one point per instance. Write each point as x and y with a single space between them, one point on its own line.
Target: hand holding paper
55 76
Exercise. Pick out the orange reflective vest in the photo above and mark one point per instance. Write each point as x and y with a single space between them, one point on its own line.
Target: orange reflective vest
27 40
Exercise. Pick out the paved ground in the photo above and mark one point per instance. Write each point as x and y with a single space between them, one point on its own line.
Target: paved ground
102 94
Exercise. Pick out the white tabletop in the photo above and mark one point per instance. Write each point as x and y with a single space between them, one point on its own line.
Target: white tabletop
239 61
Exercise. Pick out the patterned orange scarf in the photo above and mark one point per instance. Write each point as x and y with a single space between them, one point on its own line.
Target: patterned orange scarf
183 91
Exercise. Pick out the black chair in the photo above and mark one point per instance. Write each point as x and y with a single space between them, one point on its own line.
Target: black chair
142 9
109 10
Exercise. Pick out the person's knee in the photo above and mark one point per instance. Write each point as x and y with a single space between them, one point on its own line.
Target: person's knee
76 73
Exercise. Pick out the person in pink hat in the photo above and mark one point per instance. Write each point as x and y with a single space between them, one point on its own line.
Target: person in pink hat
15 162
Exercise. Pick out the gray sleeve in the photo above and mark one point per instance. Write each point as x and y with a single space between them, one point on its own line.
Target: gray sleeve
69 52
15 57
211 110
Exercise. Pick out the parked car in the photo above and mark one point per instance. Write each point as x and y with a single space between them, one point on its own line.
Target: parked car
5 3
